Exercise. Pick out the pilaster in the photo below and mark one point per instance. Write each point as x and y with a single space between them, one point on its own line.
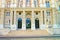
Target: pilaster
2 19
42 26
32 21
54 19
23 21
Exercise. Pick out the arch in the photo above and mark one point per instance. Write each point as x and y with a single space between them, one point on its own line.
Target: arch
36 23
19 23
28 23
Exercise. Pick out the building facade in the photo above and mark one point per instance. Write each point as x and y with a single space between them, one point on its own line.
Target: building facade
30 14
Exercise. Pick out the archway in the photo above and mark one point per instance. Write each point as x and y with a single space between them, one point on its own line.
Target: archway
19 23
36 23
28 23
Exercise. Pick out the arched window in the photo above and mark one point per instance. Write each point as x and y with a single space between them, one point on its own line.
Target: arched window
20 23
28 23
36 23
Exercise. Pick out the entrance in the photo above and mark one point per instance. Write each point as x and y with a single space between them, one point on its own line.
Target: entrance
28 23
19 23
36 23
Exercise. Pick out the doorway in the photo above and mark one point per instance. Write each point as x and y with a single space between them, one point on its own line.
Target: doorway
28 23
19 23
36 23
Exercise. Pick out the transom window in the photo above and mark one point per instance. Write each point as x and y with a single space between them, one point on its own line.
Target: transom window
36 13
19 13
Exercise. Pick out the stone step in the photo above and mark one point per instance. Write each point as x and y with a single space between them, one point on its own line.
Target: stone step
4 31
28 33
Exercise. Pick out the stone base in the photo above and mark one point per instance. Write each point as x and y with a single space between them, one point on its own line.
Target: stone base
33 27
23 27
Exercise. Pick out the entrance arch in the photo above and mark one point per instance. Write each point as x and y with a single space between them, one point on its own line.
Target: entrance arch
28 23
19 23
36 23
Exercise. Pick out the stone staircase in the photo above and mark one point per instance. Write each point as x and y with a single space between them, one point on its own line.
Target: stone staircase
4 31
28 33
55 31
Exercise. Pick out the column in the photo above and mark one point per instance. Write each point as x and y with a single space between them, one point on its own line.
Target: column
2 19
23 21
11 20
42 26
15 25
32 21
54 18
45 18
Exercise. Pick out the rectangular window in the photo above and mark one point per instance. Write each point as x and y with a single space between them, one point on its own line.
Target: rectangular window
20 3
28 3
7 13
47 4
48 13
36 3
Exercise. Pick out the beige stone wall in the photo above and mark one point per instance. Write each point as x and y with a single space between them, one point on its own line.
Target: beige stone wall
31 14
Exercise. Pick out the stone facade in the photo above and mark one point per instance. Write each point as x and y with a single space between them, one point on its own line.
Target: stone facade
45 12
